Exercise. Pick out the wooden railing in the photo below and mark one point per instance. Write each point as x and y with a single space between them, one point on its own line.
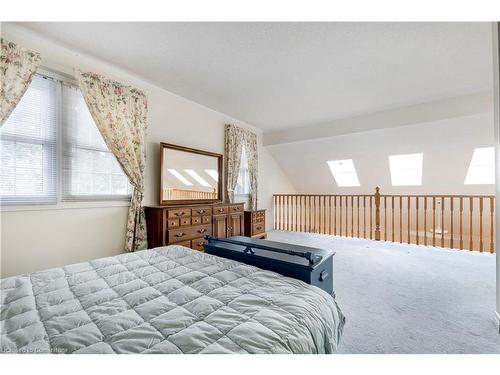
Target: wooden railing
171 194
452 221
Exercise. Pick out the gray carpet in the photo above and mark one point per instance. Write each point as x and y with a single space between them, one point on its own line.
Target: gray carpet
410 299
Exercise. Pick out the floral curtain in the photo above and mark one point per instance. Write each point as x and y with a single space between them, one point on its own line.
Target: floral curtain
234 145
120 113
17 67
251 149
235 139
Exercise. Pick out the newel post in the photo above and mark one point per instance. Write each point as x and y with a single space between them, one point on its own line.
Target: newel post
377 214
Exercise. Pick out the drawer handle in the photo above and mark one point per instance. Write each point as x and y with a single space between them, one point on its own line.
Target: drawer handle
202 230
180 234
201 211
323 275
179 213
259 228
201 243
220 210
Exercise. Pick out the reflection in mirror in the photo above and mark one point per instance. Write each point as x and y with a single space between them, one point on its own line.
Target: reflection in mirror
189 176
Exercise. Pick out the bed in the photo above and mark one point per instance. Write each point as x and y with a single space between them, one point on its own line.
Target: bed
165 300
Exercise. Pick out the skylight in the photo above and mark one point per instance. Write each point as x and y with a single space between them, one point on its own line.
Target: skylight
180 177
482 167
197 177
406 169
213 173
344 173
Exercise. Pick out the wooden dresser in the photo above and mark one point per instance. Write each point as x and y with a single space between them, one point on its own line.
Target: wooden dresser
187 224
255 224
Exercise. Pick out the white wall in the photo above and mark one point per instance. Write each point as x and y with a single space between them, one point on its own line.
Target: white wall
447 146
40 237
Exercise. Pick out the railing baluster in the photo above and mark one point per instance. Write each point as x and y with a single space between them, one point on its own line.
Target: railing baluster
400 219
408 218
352 216
340 217
492 205
385 218
471 209
371 217
425 221
433 221
416 220
335 215
461 222
274 211
481 224
392 221
451 222
346 216
442 221
364 216
357 218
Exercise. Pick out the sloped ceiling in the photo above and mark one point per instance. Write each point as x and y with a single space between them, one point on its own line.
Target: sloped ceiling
447 146
284 75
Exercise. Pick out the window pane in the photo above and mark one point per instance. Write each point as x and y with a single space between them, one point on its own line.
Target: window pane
482 167
406 169
344 173
243 183
28 147
90 170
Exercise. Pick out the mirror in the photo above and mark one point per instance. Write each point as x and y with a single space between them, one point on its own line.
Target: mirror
189 176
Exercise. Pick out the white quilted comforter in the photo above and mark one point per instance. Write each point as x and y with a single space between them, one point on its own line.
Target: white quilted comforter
167 300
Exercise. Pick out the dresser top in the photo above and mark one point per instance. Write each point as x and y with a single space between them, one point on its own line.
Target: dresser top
198 205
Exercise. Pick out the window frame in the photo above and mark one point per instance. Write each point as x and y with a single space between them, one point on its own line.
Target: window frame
63 201
45 200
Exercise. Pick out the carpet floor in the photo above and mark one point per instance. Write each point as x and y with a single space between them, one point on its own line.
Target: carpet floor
410 299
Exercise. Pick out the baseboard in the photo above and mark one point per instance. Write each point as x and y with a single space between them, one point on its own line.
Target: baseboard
498 320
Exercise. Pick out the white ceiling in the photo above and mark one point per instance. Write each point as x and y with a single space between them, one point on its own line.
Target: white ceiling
283 75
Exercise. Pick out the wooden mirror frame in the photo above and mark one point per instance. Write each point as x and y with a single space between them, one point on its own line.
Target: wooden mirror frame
171 202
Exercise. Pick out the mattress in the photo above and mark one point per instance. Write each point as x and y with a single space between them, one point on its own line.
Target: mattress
165 300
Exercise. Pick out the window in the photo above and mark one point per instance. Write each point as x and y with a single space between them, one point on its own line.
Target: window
28 147
90 170
344 173
243 183
482 167
406 169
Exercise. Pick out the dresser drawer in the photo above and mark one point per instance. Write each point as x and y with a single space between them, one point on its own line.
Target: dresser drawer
236 208
201 211
188 233
256 220
197 244
258 228
178 213
184 243
221 210
173 223
196 220
185 221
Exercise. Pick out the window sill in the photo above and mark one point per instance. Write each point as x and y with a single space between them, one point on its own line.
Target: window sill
64 206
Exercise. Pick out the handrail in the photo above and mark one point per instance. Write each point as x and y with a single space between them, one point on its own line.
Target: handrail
441 220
